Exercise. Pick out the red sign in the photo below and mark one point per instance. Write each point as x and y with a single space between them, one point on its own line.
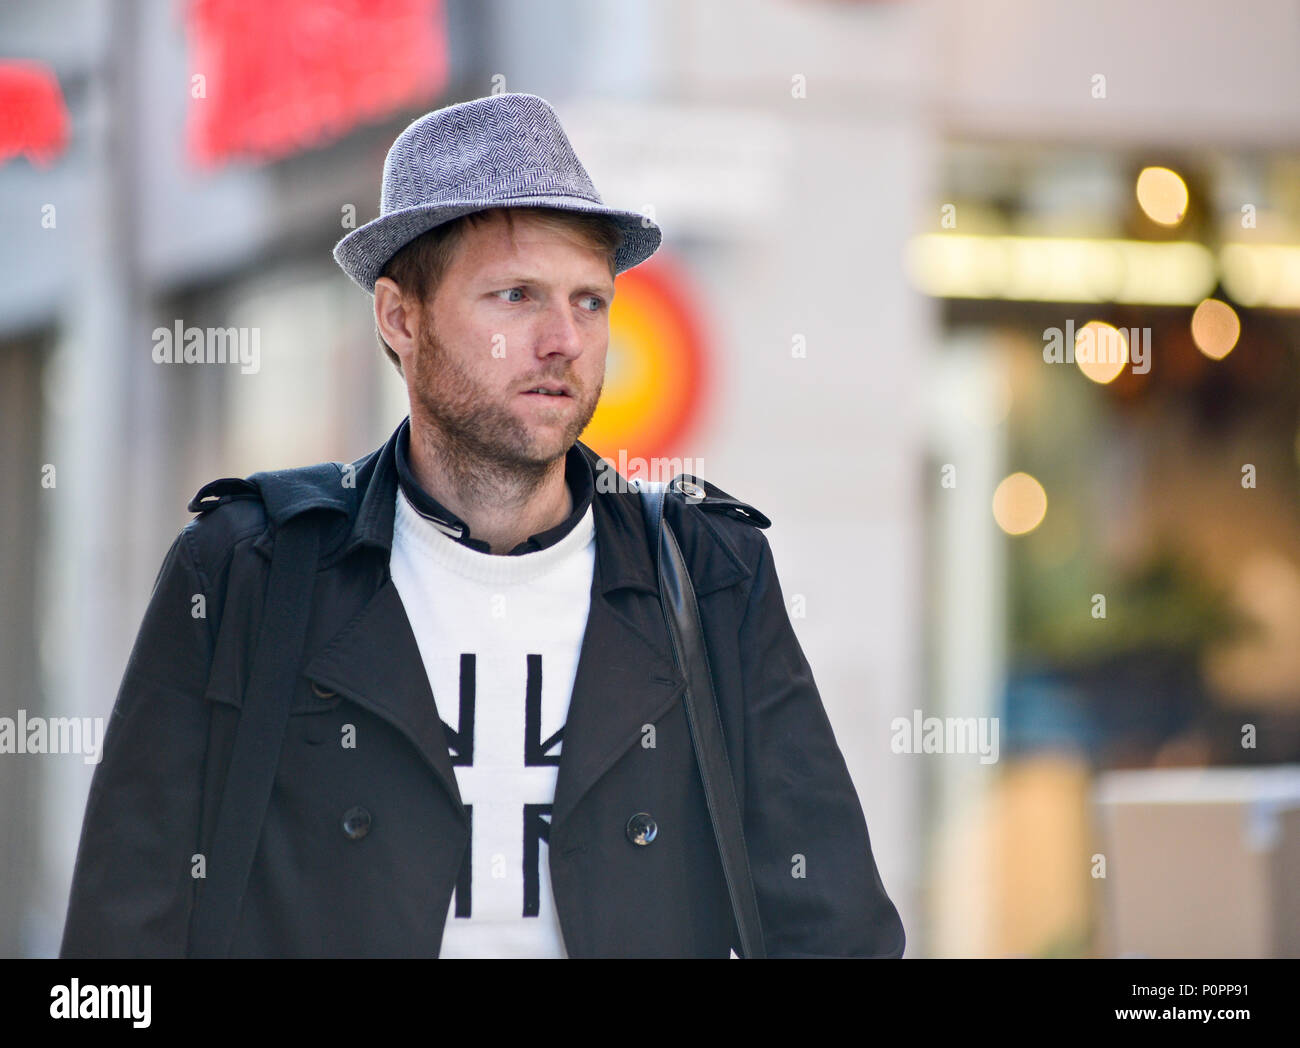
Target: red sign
33 118
270 77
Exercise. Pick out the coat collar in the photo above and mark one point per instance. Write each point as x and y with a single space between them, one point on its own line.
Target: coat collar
364 493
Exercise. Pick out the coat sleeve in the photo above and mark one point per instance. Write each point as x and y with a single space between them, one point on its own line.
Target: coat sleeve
132 888
818 890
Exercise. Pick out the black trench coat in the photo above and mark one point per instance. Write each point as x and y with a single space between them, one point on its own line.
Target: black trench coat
318 891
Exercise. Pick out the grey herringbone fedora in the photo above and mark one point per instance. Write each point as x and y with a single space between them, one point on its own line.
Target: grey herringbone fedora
505 150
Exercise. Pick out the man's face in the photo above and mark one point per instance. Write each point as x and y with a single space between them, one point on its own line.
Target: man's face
509 315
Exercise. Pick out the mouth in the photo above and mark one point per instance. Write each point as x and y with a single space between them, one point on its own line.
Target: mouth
550 390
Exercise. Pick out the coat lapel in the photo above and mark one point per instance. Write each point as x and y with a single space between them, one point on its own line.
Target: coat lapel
375 661
625 679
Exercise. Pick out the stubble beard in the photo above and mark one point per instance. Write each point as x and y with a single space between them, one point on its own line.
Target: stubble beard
478 439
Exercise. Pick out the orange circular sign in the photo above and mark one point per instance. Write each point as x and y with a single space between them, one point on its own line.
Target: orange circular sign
655 374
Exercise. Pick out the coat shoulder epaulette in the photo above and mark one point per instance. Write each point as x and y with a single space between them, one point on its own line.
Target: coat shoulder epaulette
218 492
284 492
697 491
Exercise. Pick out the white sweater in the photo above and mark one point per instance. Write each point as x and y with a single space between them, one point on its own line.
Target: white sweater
500 638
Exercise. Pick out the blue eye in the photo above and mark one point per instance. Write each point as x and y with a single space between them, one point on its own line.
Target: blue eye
600 302
509 290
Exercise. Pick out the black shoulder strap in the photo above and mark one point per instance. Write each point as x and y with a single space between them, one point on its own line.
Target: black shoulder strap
258 737
677 595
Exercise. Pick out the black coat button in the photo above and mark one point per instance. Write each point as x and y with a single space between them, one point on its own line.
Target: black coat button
356 823
320 692
641 828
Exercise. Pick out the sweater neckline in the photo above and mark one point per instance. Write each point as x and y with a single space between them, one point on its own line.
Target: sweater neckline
429 540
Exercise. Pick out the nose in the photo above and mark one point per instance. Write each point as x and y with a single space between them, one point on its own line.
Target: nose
559 332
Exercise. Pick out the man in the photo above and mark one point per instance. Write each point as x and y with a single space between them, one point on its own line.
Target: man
485 748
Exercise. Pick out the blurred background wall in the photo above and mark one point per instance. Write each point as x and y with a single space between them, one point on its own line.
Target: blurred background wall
874 213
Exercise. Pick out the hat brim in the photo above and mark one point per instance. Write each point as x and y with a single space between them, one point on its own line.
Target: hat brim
364 252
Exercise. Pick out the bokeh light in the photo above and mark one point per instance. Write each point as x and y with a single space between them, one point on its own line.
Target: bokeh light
1215 328
1019 504
1100 351
1162 195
